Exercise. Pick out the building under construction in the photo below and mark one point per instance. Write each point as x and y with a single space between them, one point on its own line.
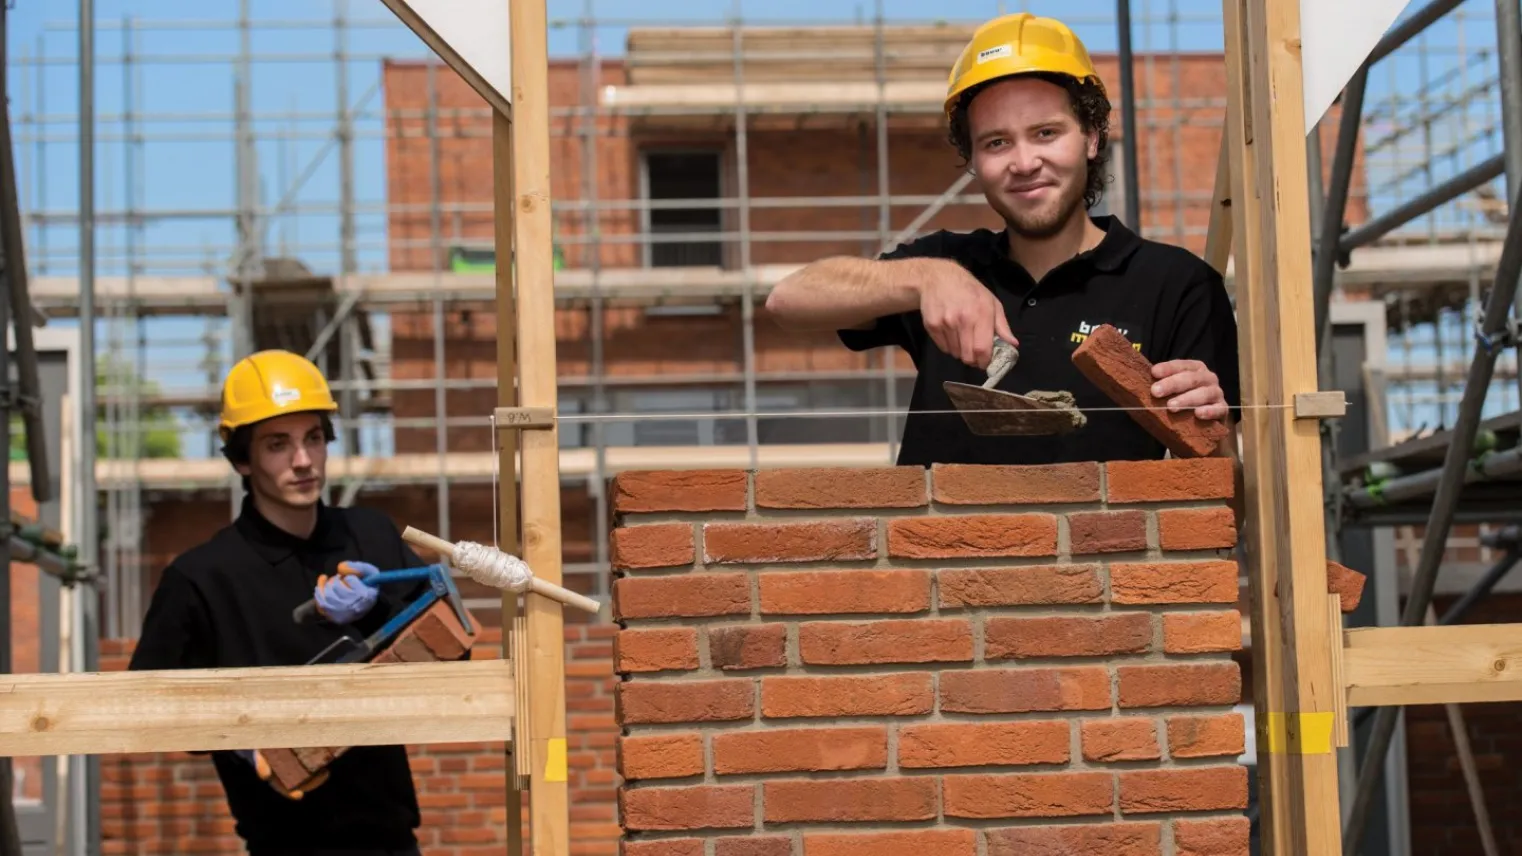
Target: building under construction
696 162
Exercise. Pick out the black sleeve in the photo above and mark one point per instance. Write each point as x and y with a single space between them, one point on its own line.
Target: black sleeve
1205 329
905 329
176 630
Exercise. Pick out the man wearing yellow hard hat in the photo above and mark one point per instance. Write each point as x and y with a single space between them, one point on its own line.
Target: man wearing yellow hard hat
229 603
1029 118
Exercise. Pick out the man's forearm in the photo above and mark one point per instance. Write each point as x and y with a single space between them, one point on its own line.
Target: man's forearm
842 292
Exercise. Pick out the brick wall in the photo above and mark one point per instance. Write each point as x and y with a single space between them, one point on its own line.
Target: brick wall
171 803
993 660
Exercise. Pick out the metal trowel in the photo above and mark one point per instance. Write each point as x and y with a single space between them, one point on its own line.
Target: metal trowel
991 412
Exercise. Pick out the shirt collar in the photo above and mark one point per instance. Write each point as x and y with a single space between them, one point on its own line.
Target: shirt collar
1109 255
275 544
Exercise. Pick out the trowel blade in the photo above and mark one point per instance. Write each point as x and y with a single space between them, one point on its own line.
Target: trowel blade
996 413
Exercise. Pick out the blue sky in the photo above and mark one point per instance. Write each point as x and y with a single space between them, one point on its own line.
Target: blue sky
199 174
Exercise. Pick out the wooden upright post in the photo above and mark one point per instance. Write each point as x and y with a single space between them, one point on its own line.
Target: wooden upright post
1293 641
524 159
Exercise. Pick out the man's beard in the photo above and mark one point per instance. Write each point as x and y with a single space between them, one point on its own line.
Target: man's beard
1043 223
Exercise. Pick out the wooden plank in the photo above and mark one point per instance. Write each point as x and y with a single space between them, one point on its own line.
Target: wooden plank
509 524
1461 663
364 704
1218 236
534 278
1296 691
1262 558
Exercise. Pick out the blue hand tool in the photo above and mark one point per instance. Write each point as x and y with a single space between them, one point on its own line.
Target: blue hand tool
440 587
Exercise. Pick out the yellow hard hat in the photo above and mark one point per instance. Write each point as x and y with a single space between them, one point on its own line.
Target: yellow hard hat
272 383
1019 44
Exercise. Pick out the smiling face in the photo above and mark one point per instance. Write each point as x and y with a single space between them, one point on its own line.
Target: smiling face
287 460
1030 154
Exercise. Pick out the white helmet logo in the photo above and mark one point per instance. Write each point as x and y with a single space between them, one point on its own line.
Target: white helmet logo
282 395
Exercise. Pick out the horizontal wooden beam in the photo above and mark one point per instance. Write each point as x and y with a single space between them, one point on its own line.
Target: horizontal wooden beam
101 713
1389 666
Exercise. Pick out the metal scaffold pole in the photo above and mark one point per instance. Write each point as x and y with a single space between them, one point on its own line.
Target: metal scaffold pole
85 770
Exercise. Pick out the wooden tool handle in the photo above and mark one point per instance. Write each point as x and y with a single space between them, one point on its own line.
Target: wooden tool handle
418 538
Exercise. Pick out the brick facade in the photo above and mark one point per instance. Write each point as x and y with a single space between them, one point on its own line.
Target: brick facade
975 659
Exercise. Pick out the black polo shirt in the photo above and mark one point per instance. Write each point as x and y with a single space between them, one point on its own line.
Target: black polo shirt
228 603
1162 297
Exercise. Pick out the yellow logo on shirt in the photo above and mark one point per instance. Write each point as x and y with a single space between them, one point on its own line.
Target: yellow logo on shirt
1079 336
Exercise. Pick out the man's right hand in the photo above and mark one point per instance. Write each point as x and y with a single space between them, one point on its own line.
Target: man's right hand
262 767
962 315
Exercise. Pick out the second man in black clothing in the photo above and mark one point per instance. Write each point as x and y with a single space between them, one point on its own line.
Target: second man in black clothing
228 603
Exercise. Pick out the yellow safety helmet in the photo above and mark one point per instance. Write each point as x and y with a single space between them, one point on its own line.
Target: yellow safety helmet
272 383
1019 44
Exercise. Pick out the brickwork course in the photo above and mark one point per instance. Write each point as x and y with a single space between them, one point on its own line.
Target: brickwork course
1004 658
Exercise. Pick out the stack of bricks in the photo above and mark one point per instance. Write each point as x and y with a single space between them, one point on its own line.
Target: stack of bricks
993 660
434 636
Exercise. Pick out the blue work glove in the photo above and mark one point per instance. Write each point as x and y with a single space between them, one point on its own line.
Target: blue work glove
345 596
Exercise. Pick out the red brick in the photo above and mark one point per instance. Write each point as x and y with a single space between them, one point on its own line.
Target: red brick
753 845
1038 484
747 646
813 541
788 750
918 842
1183 789
1127 739
1223 735
660 756
1029 585
647 702
641 491
1179 685
1025 690
850 800
1028 795
973 536
663 847
844 592
656 649
1107 532
1120 371
1009 637
1213 528
1171 480
975 744
698 595
1099 839
1174 582
903 694
440 630
1346 583
1202 632
653 545
698 807
285 768
841 487
1216 836
922 640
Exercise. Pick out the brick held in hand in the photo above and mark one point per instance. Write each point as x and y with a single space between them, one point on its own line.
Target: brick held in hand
436 635
1109 361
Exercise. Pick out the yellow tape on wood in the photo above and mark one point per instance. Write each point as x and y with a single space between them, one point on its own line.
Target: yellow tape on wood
554 761
1307 733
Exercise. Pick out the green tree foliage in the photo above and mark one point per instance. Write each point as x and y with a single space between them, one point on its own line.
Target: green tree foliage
158 434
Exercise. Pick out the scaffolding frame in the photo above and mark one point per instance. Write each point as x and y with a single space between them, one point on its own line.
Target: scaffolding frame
599 286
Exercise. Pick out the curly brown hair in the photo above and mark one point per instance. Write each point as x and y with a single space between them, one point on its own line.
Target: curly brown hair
1089 105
